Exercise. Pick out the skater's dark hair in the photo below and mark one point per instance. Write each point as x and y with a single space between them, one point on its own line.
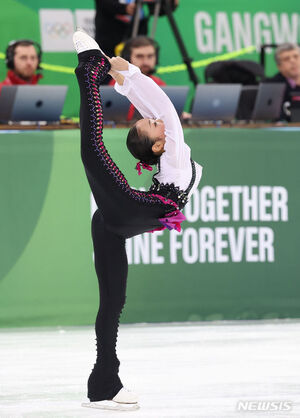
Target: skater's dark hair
140 146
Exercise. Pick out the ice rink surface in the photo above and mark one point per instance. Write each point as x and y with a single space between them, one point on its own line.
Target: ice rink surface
193 369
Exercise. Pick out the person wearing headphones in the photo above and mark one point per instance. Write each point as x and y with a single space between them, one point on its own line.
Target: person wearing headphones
23 59
142 52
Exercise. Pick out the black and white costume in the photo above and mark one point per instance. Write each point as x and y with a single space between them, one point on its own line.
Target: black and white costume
124 212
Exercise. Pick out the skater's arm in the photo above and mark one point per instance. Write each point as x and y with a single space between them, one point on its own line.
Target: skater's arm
149 99
120 70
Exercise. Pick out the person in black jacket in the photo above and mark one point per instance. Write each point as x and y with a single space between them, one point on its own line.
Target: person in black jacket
114 22
287 57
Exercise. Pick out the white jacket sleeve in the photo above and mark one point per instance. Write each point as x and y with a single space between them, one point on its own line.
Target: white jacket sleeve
152 102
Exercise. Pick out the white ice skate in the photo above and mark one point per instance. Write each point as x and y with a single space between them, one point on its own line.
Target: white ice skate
83 42
124 400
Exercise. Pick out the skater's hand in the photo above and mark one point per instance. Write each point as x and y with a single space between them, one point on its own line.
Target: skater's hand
118 64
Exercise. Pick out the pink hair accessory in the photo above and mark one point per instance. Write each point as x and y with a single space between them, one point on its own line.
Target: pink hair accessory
144 165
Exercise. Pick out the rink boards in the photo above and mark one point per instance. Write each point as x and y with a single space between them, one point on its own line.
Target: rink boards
236 257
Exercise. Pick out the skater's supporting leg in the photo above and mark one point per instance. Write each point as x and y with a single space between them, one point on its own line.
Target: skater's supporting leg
111 268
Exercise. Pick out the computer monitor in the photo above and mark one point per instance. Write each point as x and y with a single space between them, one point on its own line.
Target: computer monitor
216 102
177 95
115 106
32 103
268 101
295 106
246 102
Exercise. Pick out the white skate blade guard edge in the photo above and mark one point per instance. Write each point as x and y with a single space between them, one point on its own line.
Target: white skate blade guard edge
112 405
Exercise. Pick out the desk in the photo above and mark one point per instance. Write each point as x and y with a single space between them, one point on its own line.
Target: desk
71 125
237 257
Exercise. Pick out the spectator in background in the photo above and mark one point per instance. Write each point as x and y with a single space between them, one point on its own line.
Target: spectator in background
287 57
22 61
141 51
114 22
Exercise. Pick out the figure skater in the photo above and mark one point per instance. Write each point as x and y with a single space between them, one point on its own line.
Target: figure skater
123 212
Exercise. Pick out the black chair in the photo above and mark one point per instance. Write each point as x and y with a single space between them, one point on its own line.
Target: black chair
247 73
233 71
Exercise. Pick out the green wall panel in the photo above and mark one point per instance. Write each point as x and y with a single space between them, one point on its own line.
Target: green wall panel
224 265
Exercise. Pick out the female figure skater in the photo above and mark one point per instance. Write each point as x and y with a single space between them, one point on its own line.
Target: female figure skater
123 212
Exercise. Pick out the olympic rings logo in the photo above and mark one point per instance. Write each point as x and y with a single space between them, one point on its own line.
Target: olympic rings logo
58 30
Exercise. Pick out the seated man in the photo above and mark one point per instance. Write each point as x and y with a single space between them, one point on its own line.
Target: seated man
141 51
287 57
22 61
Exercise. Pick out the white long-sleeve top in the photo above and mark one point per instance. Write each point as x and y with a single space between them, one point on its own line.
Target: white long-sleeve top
152 102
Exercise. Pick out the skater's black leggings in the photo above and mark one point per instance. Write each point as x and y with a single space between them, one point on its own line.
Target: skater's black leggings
122 213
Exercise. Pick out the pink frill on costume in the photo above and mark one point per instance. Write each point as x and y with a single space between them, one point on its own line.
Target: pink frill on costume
173 219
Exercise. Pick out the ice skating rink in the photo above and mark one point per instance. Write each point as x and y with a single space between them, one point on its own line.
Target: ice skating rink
195 369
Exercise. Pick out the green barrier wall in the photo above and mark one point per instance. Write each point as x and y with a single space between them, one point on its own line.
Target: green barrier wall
237 257
208 30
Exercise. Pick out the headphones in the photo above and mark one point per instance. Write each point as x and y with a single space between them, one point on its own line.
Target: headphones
126 51
10 52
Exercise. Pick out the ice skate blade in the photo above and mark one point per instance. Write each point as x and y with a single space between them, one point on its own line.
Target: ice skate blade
112 405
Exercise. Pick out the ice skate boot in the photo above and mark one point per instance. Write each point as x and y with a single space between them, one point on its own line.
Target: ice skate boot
124 400
84 42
